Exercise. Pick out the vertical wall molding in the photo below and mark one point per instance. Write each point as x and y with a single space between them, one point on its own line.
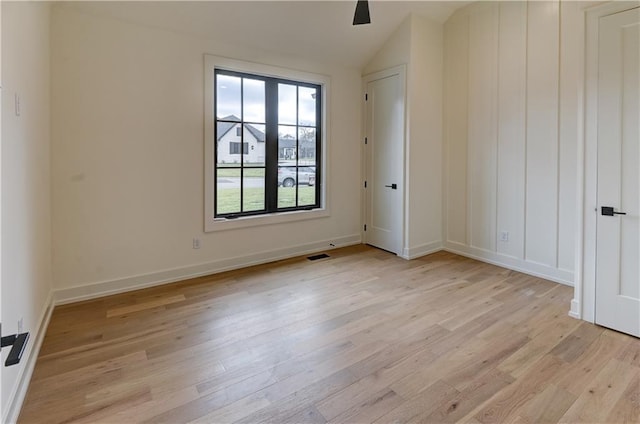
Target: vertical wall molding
542 109
499 41
526 138
482 125
558 130
512 128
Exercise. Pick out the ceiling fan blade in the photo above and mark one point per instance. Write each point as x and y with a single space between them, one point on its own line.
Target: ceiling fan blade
361 16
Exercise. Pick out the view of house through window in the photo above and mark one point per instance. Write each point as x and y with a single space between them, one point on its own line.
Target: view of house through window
267 156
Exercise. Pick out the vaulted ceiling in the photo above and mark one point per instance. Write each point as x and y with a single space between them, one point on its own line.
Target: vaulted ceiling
309 29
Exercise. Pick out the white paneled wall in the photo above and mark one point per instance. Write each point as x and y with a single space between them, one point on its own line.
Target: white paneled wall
541 202
572 23
512 96
510 134
483 129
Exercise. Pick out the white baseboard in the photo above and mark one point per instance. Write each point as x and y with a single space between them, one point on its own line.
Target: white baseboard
575 309
421 250
105 288
28 364
537 270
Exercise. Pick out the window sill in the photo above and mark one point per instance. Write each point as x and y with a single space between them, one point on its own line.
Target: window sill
224 224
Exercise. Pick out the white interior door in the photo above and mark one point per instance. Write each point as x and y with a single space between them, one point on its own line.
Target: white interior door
618 229
384 151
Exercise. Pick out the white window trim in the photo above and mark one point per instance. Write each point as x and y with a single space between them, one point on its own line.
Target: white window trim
211 63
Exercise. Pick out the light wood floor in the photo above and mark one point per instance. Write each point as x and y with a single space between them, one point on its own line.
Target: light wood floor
360 337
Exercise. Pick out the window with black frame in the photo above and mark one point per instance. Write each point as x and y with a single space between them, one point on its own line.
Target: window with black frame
268 145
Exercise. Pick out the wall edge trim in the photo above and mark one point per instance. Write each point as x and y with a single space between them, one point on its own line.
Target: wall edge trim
421 250
137 282
19 392
575 309
536 270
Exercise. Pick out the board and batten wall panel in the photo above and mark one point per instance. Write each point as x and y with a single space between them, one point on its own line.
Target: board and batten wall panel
482 127
518 155
571 86
512 94
455 103
541 224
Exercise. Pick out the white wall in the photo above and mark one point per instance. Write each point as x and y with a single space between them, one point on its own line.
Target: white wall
513 73
127 162
26 222
418 43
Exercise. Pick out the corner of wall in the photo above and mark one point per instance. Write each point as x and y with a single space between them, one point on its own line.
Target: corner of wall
395 51
425 131
421 250
17 396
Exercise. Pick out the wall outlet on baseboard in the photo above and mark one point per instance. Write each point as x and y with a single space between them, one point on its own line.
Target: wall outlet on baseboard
504 236
196 243
20 325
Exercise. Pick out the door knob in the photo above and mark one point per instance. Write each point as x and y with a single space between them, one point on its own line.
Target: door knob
392 186
608 211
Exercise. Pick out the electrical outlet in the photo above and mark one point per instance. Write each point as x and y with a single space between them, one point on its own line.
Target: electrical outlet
196 243
504 236
20 325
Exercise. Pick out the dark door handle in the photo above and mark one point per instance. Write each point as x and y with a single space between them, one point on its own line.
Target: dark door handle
392 186
608 211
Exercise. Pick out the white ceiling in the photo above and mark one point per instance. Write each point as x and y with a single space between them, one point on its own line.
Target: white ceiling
315 29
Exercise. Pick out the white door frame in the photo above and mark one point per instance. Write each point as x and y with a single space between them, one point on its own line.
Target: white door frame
401 71
2 413
584 303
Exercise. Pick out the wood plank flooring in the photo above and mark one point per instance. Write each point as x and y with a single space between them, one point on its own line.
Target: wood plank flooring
359 337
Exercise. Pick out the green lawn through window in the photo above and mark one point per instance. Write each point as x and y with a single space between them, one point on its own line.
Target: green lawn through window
229 198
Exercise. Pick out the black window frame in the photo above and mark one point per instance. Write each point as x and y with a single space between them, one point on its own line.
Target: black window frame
271 145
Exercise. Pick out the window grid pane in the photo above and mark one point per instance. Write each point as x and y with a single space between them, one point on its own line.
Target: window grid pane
242 169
